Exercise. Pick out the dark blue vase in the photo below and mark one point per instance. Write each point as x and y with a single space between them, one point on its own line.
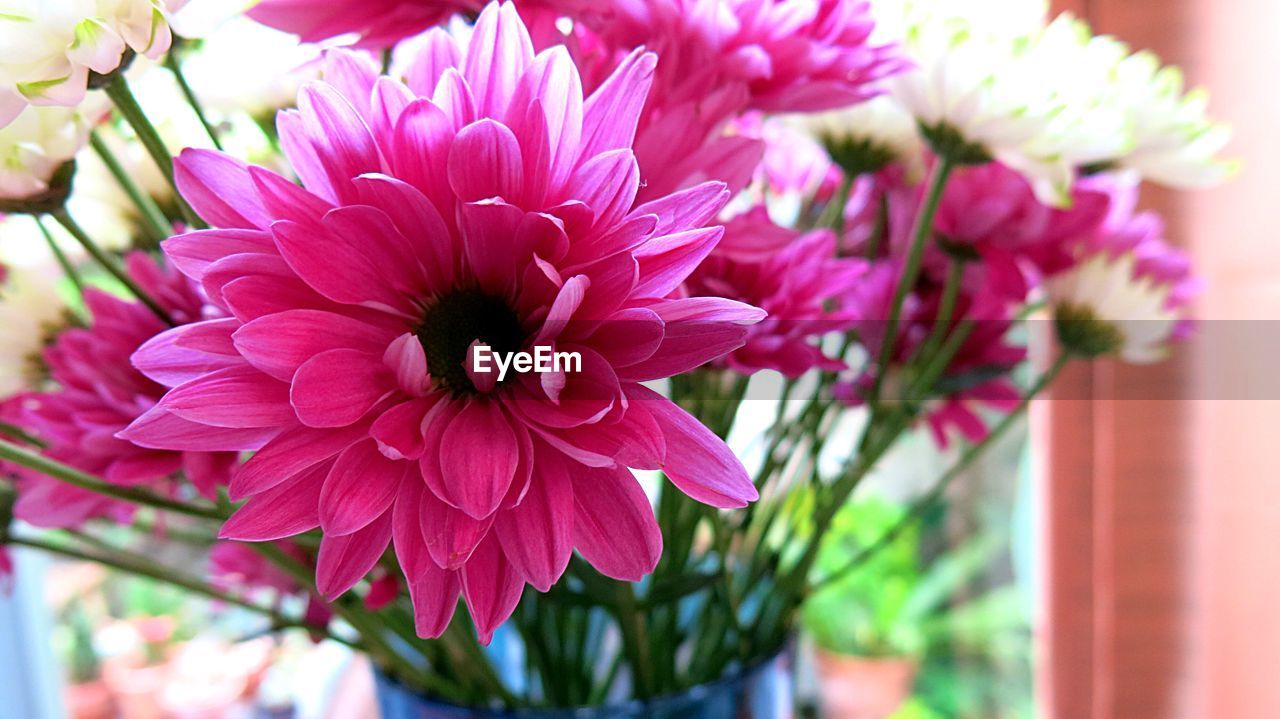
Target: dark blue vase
761 692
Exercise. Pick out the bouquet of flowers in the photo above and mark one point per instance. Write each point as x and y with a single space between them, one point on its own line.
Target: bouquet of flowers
435 315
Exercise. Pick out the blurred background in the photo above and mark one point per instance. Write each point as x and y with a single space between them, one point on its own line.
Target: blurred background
1116 559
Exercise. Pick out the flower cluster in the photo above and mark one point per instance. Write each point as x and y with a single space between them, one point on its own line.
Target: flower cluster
98 393
55 51
874 193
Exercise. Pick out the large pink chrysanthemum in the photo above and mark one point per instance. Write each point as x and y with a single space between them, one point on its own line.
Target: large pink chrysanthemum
98 394
487 203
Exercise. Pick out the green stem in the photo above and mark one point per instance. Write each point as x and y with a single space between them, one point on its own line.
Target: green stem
153 219
911 271
76 478
67 268
110 265
171 62
927 500
133 113
136 564
634 638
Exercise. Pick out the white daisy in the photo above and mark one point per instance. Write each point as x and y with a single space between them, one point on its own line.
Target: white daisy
1101 308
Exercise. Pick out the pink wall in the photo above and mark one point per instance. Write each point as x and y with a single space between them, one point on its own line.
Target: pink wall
1164 515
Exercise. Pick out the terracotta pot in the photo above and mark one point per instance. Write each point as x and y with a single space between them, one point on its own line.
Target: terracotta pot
136 687
863 687
90 700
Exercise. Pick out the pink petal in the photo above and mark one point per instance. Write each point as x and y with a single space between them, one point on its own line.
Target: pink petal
420 153
296 144
408 362
485 162
613 110
233 397
399 429
537 535
343 561
665 262
434 593
345 268
687 209
293 451
491 586
496 58
338 387
698 462
353 75
159 428
607 183
219 189
291 508
209 471
359 489
285 200
487 229
450 535
478 457
551 90
437 53
163 359
614 527
635 440
279 344
253 297
340 137
418 220
193 252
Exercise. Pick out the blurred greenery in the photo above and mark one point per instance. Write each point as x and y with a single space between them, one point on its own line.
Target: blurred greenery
928 595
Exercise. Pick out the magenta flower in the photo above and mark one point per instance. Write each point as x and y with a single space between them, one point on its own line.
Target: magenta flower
6 572
978 374
722 58
799 282
377 23
990 213
486 206
99 393
237 568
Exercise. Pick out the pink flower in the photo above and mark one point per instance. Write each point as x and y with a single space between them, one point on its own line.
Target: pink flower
378 23
6 572
978 374
722 58
98 394
797 283
990 213
487 203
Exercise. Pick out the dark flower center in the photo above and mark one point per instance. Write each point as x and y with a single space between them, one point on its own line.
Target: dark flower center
455 321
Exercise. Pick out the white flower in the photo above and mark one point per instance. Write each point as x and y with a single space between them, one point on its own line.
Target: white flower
51 46
1101 307
1174 142
34 146
30 312
880 125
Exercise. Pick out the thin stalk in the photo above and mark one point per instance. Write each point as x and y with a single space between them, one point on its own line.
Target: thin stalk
833 214
928 499
133 113
136 564
911 271
635 638
175 67
76 478
67 268
21 435
157 225
110 265
946 308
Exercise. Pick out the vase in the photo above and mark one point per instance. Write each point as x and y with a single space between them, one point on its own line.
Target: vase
863 687
764 691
